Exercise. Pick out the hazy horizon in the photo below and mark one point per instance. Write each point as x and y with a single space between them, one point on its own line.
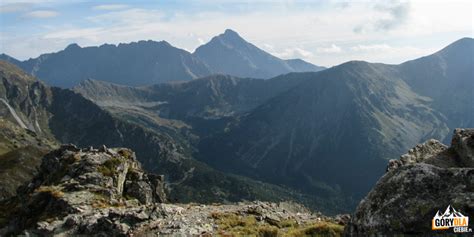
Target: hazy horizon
325 33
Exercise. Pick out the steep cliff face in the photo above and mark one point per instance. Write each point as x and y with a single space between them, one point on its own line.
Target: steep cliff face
24 133
430 177
24 100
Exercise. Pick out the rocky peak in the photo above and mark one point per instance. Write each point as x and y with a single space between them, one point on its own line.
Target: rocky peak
418 154
114 172
230 34
463 144
430 177
74 182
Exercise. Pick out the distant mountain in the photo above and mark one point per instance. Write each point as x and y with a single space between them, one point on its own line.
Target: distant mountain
229 53
149 62
210 97
447 77
141 63
330 134
9 59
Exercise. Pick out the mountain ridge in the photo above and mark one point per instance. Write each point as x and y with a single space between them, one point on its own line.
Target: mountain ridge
136 64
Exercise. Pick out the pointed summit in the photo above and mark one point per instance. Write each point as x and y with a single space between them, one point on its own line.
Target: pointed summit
230 32
229 53
230 38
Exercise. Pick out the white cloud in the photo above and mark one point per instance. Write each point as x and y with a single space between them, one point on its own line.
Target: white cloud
321 35
110 7
14 7
331 49
398 13
91 34
386 16
41 14
371 47
126 17
384 52
291 53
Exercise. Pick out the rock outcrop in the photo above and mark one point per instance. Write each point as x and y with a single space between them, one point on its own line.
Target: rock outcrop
75 189
418 154
427 179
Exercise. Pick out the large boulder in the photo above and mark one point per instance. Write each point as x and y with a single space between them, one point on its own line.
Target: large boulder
427 179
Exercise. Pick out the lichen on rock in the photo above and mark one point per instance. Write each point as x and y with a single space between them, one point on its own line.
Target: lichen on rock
73 183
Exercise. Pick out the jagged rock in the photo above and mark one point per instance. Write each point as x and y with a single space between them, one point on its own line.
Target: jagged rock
69 147
418 154
158 186
463 143
82 190
140 190
103 148
430 177
343 219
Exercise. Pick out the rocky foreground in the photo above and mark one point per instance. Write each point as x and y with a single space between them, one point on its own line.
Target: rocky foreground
106 192
430 177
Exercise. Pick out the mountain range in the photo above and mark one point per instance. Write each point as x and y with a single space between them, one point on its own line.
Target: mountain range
36 118
333 132
322 138
326 133
150 62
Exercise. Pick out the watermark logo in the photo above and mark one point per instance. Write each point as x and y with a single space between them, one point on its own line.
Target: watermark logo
451 219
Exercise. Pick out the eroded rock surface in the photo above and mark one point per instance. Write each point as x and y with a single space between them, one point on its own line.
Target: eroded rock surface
75 188
428 178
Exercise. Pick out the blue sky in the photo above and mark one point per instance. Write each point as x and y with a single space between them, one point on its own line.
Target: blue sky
323 32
